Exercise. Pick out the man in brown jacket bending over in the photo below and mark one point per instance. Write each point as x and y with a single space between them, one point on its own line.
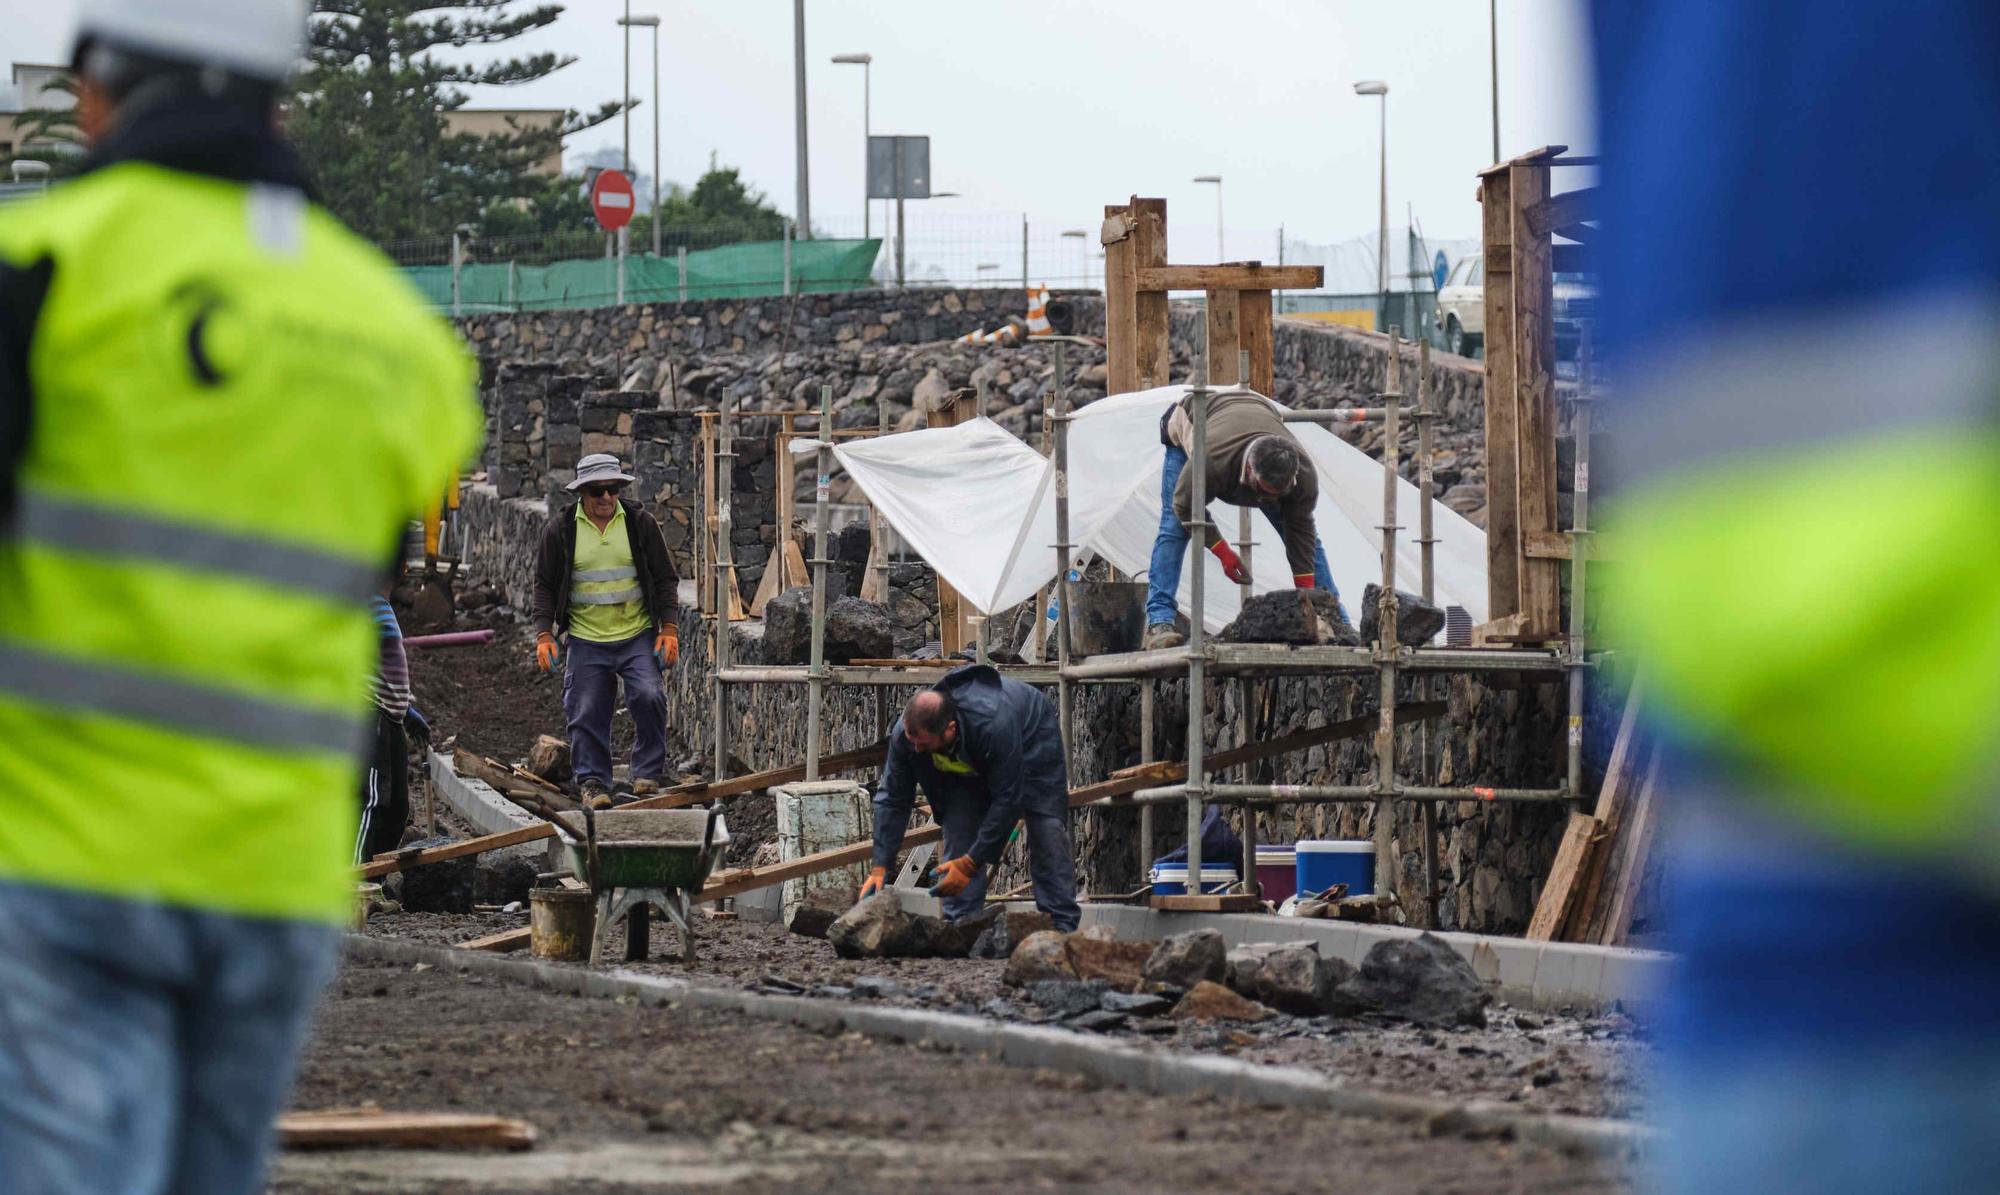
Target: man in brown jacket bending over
1252 461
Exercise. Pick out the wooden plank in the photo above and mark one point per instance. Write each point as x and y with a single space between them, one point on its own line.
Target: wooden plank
1503 527
1230 276
1253 317
1223 337
1609 810
704 790
1149 249
1533 282
1168 771
1508 630
1580 838
1639 839
1222 902
500 943
1556 212
1561 545
1121 299
403 1130
386 864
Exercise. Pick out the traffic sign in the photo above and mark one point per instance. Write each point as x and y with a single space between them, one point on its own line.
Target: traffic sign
611 200
1439 269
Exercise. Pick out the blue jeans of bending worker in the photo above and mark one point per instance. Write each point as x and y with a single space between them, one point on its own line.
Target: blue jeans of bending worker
1163 576
962 806
146 1049
591 672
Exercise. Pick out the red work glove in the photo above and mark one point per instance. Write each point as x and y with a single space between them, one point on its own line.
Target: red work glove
955 875
1302 580
546 651
873 884
667 648
1232 564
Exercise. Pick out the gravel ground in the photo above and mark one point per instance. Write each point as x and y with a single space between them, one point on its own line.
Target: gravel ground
630 1099
1545 1063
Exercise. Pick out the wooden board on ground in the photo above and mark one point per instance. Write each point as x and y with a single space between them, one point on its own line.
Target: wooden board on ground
1639 827
352 1128
1611 800
1229 902
385 864
499 943
1559 894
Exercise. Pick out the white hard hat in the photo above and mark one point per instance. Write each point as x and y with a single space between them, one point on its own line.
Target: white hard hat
259 39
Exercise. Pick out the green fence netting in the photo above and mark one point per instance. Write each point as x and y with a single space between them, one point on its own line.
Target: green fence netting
730 272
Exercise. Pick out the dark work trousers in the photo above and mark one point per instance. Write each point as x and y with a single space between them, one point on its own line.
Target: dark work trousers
385 791
591 672
960 808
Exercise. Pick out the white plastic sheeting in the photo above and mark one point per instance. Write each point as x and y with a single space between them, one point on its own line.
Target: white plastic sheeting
979 505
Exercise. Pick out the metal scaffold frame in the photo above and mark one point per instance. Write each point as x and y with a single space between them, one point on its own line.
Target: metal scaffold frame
1201 658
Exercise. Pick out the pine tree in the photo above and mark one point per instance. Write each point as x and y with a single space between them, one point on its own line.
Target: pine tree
369 113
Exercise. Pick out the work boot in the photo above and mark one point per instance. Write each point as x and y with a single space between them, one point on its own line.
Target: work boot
595 794
1163 635
645 788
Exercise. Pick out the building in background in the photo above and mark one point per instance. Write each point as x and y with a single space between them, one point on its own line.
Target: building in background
494 122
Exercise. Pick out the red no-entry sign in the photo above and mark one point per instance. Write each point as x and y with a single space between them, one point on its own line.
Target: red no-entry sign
611 199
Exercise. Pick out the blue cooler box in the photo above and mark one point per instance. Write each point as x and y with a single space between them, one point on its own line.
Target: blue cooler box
1171 879
1324 862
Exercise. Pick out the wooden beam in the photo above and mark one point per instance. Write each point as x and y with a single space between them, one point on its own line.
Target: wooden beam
1223 337
1503 525
1580 838
1230 276
1639 848
1533 281
1561 545
500 943
1149 250
1121 299
1609 810
1253 318
704 790
955 629
386 864
1557 211
1149 775
401 1130
1499 630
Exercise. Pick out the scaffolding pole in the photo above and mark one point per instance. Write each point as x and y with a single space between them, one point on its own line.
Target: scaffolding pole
1197 544
725 567
822 479
1064 551
1427 684
1386 642
1579 560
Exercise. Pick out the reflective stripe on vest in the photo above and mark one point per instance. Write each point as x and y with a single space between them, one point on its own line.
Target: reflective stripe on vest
616 597
604 574
91 687
66 525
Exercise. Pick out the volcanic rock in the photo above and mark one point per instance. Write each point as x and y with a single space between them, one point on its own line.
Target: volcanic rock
1417 621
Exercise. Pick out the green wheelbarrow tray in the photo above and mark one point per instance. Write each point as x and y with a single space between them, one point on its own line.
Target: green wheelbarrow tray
643 848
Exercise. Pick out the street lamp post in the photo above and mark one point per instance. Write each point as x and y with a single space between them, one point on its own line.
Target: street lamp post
652 23
625 96
1217 180
1493 48
799 114
862 60
1376 87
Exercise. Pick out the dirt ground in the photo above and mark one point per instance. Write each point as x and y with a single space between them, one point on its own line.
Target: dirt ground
631 1099
1590 1066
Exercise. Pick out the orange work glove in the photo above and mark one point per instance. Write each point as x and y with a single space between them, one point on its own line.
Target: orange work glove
667 648
546 651
1302 580
873 884
955 875
1232 564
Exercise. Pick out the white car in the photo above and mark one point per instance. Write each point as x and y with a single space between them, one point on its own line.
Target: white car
1462 307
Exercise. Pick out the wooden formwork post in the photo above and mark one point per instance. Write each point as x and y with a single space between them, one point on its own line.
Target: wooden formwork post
1503 525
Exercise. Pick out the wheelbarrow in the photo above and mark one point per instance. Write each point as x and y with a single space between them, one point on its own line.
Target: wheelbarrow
633 860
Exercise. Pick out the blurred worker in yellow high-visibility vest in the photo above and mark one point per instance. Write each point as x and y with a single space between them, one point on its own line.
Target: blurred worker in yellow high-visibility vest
217 410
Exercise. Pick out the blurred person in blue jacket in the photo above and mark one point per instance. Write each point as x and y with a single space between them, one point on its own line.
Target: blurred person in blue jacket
1802 261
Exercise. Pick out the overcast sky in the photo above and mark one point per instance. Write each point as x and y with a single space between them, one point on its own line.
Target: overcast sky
1057 107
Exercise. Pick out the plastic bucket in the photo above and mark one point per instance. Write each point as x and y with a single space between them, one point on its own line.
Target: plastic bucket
1277 872
1324 862
560 923
1171 879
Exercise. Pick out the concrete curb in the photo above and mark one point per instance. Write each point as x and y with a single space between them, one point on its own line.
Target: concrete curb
475 800
1156 1071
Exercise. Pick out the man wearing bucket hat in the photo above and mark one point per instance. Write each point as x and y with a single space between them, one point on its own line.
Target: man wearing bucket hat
607 606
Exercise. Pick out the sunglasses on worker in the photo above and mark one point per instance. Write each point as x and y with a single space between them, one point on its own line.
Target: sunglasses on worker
602 491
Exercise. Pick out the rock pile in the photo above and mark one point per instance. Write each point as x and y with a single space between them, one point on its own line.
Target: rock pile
880 927
1417 621
1298 616
855 630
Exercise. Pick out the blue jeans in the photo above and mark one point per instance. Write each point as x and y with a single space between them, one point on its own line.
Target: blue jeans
146 1049
1163 576
591 672
960 808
